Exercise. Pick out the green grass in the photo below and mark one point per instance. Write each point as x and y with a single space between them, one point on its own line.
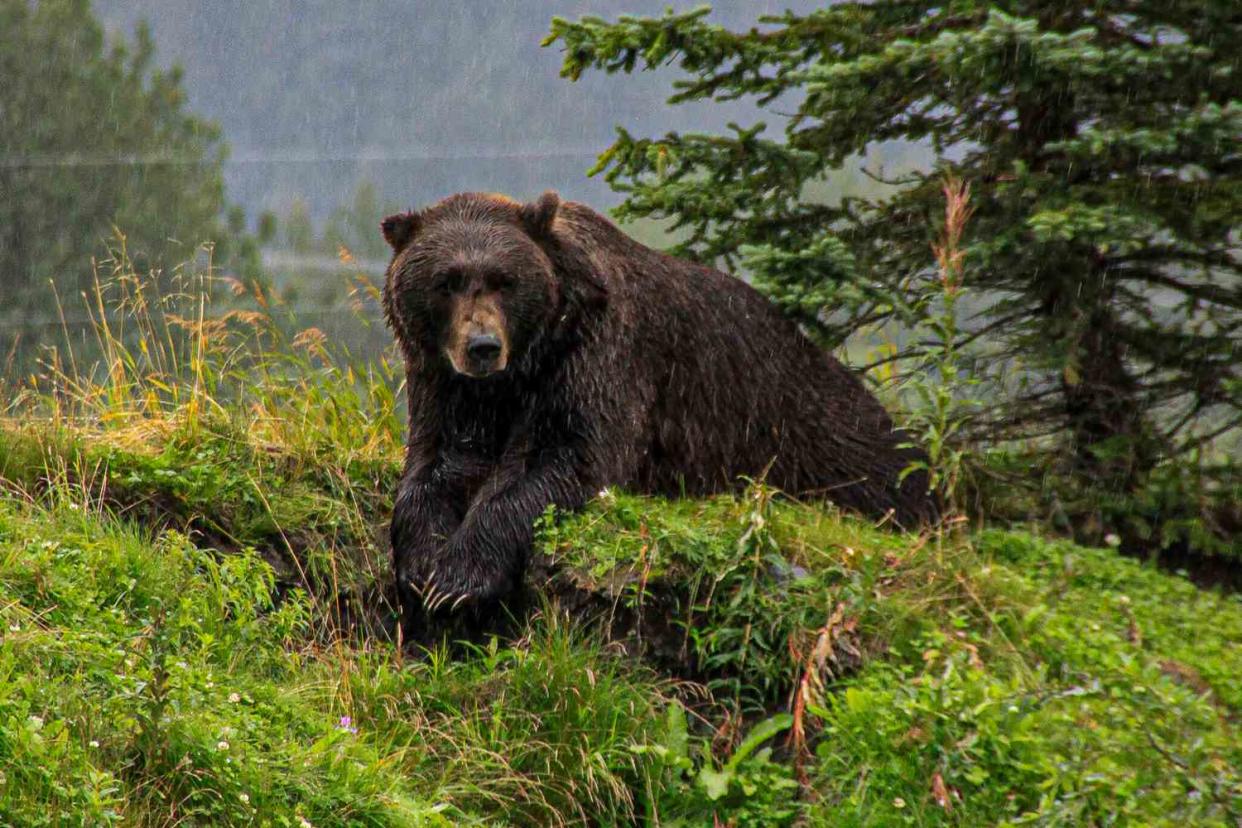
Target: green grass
146 680
1057 710
1018 679
318 525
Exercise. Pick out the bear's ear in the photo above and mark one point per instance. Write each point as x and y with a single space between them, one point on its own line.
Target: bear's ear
537 216
399 229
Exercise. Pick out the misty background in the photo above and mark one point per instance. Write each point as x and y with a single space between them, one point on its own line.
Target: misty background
422 98
330 116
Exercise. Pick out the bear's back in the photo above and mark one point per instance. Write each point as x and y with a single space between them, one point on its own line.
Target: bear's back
738 389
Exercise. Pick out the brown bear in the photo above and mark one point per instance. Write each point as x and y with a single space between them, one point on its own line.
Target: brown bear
549 356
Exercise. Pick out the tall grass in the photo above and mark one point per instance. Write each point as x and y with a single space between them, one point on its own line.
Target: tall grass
198 402
189 508
171 351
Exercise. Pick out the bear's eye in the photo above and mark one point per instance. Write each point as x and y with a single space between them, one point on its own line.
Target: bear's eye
447 282
500 279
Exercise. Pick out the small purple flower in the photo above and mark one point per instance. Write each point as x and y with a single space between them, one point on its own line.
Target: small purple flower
346 724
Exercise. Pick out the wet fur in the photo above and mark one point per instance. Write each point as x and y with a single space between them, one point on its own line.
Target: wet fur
628 368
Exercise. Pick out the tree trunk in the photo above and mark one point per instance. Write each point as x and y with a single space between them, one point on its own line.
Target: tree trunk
1111 439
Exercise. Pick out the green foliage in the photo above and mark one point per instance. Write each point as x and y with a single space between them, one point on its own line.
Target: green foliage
189 552
957 744
1188 512
1074 703
216 346
148 681
1120 606
943 406
743 581
539 730
313 524
144 676
270 437
751 788
1192 505
1099 140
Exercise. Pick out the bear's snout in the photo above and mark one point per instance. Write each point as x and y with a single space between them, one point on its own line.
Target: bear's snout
478 346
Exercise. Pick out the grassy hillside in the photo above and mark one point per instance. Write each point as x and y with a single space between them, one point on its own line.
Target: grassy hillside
196 628
173 649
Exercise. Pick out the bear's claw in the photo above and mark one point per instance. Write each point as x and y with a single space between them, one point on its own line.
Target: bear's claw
431 597
435 598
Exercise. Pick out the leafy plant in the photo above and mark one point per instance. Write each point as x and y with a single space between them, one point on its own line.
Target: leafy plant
686 786
737 589
185 541
943 407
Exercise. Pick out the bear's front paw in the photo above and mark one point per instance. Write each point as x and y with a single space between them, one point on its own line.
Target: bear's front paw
453 588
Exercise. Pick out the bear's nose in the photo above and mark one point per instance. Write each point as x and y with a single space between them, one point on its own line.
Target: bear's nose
483 348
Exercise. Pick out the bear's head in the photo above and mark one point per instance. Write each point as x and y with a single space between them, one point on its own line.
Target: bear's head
474 279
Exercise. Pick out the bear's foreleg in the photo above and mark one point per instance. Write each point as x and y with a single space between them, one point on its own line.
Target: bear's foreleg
423 521
486 557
